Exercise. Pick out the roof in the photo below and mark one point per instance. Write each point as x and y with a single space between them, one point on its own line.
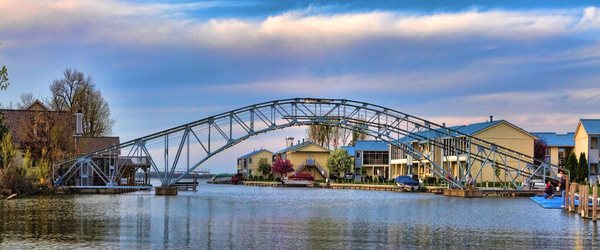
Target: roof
349 149
556 140
470 129
591 126
90 144
297 147
254 152
370 145
17 119
37 106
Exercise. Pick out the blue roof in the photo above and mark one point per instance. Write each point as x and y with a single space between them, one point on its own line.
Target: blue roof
349 149
253 153
556 140
370 145
470 129
591 126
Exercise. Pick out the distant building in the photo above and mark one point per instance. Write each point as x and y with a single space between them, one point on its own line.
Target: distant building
587 141
247 164
307 157
501 132
371 158
559 146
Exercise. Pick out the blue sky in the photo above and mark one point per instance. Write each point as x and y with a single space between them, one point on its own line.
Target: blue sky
163 63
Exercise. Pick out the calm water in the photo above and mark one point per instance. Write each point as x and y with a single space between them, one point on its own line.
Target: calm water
226 217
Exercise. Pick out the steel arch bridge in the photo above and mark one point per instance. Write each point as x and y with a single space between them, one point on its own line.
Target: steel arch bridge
184 148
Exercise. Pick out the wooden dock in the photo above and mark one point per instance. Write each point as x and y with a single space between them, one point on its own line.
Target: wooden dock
99 189
579 200
262 183
359 186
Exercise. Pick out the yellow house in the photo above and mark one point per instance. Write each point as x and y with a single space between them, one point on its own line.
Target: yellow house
247 165
587 141
500 132
559 146
306 157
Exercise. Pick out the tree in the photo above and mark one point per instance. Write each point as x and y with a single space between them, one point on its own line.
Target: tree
4 78
26 100
76 92
339 162
582 168
263 166
540 147
282 167
7 152
571 165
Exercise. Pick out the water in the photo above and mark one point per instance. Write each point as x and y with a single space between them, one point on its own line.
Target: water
240 217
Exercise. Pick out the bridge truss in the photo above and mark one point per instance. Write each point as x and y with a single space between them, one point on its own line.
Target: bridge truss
185 148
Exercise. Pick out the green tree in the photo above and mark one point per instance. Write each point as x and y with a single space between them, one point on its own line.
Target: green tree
4 78
77 92
263 166
582 169
339 162
571 165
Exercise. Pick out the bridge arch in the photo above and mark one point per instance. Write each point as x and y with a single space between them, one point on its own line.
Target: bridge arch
207 137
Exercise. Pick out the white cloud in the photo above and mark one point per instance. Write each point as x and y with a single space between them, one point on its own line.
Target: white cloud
152 24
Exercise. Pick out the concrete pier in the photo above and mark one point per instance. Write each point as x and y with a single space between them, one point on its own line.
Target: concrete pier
165 191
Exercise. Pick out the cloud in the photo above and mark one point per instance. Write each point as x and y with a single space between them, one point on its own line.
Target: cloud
152 24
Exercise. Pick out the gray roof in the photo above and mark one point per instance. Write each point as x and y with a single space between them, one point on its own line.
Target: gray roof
592 126
556 140
296 147
253 153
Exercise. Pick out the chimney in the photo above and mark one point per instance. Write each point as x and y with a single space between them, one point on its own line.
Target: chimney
298 141
78 123
302 140
444 124
289 141
491 118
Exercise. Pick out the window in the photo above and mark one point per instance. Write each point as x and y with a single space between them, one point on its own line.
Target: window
249 160
375 157
357 154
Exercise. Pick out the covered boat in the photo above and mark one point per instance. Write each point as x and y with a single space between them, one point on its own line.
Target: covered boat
407 183
299 180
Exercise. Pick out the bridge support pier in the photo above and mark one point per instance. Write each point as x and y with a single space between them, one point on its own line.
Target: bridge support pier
165 191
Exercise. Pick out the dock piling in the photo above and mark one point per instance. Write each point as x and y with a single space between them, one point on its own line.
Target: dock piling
595 203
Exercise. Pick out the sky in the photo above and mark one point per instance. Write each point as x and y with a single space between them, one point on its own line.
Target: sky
164 63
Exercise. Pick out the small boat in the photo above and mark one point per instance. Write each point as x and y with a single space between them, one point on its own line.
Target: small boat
299 180
407 183
222 179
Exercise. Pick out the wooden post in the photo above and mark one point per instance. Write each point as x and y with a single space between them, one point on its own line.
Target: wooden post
566 200
586 190
595 203
580 198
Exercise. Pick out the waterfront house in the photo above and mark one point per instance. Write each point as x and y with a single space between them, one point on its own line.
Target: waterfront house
587 141
36 127
247 164
501 132
306 157
371 158
559 146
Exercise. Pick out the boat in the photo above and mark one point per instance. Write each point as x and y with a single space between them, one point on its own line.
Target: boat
407 183
222 179
299 180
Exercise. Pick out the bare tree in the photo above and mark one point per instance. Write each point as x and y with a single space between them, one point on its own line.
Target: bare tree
26 100
76 92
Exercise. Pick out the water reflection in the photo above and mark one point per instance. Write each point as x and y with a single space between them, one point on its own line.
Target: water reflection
220 216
